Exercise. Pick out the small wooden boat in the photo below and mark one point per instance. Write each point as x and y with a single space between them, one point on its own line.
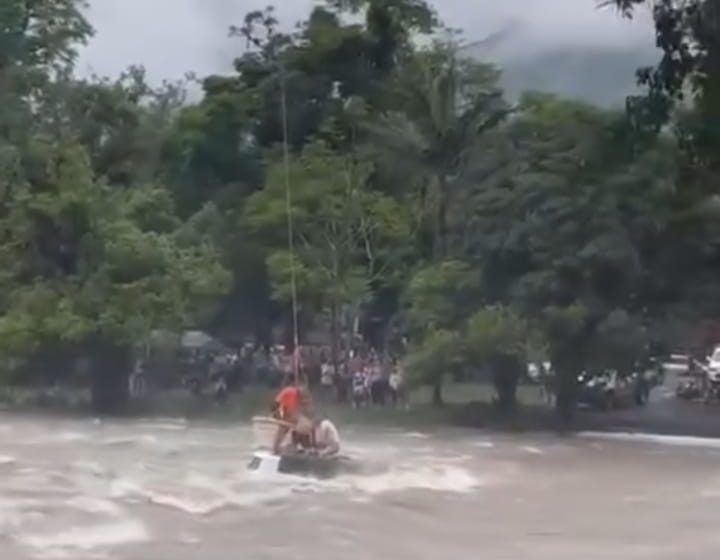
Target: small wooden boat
264 461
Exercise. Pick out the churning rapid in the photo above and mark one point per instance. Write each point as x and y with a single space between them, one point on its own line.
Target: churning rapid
168 490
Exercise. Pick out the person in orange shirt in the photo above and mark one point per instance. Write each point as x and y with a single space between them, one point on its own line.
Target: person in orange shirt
286 403
291 407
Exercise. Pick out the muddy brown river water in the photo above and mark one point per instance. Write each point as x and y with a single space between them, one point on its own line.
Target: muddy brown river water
169 490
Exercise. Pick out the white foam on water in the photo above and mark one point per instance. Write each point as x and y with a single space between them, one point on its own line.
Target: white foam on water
90 467
17 512
195 506
144 439
682 441
207 505
130 464
533 450
441 478
94 505
70 542
189 539
123 488
7 460
170 420
635 499
51 438
423 450
71 437
416 435
457 459
201 494
164 426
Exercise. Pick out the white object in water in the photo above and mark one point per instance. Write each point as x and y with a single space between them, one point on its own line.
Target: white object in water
263 462
266 463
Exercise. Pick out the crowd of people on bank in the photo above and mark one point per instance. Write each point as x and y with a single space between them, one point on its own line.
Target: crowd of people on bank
361 377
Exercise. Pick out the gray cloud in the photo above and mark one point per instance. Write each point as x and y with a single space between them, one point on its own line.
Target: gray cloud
171 37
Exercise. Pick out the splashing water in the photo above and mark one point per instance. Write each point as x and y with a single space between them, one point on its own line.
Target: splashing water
81 490
73 490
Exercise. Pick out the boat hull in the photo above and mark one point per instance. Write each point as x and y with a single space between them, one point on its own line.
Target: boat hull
301 465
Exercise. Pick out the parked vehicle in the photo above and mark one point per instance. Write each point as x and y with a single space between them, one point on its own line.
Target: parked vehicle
609 389
712 372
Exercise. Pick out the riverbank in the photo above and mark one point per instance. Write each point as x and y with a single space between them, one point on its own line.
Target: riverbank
467 405
255 400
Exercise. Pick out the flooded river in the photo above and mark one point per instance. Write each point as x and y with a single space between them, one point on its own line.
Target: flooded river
168 490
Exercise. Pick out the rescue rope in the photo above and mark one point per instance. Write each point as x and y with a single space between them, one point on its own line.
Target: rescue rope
291 240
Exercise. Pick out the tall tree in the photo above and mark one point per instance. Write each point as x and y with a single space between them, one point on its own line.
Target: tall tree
448 105
92 267
348 239
41 35
577 227
440 297
688 33
38 40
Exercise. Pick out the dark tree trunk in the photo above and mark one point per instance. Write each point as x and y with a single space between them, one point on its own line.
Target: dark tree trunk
437 397
289 332
334 335
339 380
52 364
568 360
566 372
110 377
440 250
506 375
263 334
565 399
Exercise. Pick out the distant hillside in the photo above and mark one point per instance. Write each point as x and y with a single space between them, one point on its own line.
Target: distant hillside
601 75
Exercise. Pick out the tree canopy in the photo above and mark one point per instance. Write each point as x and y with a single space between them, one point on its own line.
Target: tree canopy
420 200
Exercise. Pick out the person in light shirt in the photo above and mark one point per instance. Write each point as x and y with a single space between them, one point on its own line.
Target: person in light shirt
327 438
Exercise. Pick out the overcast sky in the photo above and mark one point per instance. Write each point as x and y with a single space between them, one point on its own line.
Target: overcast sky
171 37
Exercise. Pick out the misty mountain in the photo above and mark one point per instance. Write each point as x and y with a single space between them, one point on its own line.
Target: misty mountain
601 74
563 46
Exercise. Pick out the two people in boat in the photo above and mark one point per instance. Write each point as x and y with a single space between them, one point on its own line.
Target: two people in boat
292 408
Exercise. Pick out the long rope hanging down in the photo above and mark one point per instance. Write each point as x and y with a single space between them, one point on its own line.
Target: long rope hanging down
291 240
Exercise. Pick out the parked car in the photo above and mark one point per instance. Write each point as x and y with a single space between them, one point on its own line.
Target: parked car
608 390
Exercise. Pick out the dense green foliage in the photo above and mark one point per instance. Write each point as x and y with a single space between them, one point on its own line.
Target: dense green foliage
421 202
